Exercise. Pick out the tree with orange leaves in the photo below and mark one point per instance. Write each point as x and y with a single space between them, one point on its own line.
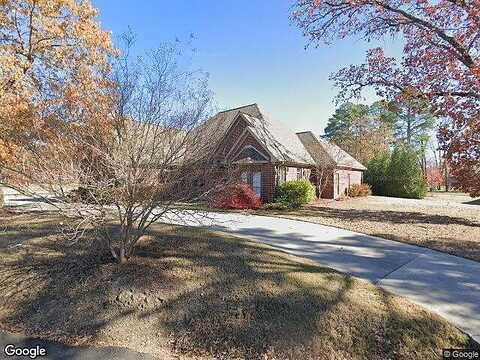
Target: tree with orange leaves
434 176
53 60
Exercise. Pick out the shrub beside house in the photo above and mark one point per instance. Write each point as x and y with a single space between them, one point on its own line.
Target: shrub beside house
293 194
397 174
359 190
235 196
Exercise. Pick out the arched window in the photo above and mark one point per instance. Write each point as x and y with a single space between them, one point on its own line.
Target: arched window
251 154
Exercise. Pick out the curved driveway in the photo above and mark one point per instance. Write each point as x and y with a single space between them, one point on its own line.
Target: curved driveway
445 284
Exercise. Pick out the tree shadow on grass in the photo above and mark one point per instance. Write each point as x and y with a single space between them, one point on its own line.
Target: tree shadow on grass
67 292
248 305
25 227
256 304
400 344
449 245
423 232
203 294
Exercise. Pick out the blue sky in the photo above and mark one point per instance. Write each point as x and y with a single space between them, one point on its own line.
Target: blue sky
251 50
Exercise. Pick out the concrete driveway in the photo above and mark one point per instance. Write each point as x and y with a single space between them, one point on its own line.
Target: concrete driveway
445 284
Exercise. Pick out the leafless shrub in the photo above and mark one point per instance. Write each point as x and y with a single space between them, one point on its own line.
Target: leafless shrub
327 163
135 160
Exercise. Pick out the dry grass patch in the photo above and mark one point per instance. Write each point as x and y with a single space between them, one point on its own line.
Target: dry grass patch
444 227
201 294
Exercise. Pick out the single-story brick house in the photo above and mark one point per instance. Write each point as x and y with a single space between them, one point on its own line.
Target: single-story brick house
268 154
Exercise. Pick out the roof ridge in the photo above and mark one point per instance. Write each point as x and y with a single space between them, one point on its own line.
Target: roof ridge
325 143
322 146
237 108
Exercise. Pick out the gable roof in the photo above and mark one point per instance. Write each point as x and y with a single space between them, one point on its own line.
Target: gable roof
322 151
218 125
282 143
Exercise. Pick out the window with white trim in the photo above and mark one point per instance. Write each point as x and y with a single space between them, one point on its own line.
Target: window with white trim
281 175
257 183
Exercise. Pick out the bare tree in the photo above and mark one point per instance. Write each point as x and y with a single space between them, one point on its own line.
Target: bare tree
328 158
322 176
325 169
134 162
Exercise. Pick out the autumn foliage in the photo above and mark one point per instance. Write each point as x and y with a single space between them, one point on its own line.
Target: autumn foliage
440 63
53 61
359 190
435 177
235 196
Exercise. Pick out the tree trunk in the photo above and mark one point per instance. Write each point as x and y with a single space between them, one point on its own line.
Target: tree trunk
409 126
122 259
447 185
424 163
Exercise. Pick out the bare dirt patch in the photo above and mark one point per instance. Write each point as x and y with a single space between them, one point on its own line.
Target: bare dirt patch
437 222
202 295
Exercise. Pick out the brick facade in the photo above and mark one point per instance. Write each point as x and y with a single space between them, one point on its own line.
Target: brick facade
343 179
337 182
240 143
268 178
238 137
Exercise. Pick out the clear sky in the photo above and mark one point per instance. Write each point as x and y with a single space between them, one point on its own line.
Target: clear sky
251 50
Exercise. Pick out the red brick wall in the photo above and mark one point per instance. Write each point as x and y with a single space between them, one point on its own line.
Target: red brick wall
248 140
231 146
329 187
268 178
234 133
346 178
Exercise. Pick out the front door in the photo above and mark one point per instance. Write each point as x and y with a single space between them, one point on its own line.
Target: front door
257 183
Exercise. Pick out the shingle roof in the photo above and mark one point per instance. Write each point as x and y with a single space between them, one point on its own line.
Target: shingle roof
322 150
282 143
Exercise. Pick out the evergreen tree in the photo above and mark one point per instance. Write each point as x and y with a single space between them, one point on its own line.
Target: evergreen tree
414 124
377 173
405 176
361 130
